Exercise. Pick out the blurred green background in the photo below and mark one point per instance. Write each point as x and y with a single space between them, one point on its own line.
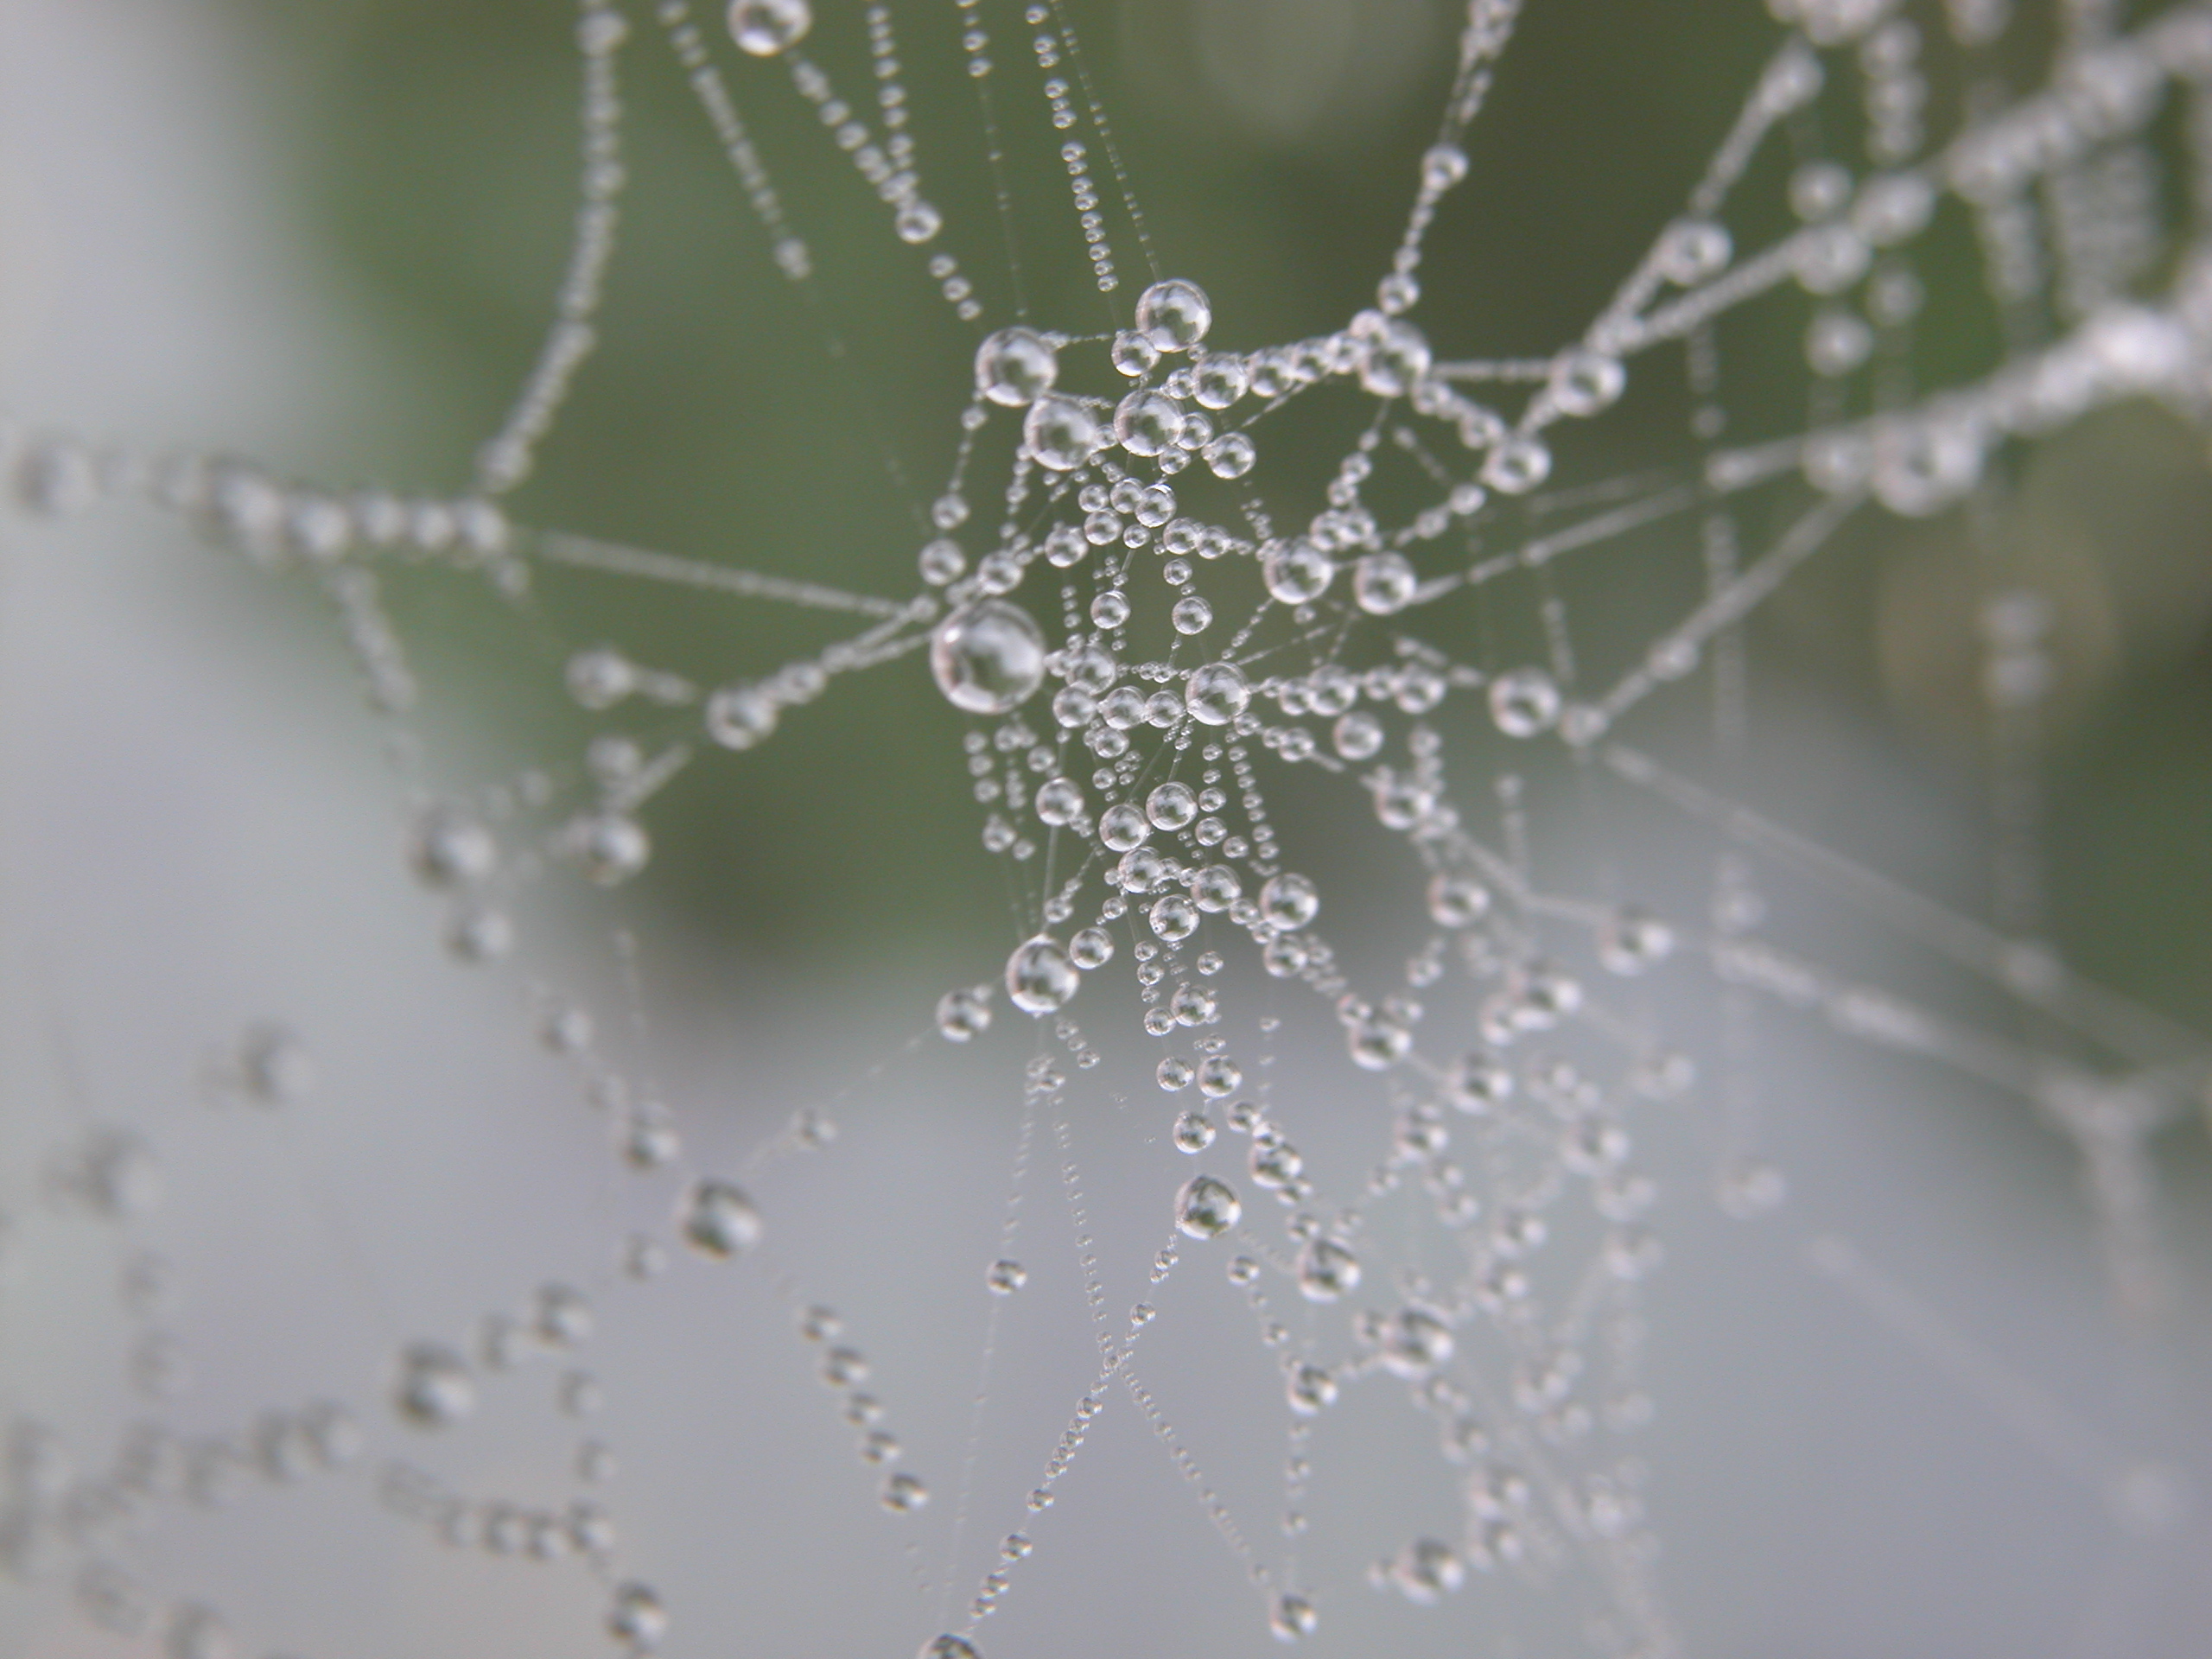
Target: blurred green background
1272 144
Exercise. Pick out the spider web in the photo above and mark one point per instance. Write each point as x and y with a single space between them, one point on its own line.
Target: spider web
1404 999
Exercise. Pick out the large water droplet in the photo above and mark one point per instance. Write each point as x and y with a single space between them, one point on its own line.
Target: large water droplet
720 1219
964 1014
1174 316
1040 976
1207 1208
1060 433
1326 1271
435 1388
635 1616
765 28
1015 367
1296 571
1216 694
988 657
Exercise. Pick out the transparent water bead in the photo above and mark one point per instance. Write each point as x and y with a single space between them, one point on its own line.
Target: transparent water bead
452 850
1194 1132
1207 1208
1296 571
1695 250
1456 901
1004 1278
1172 805
1174 917
1123 827
988 657
1524 701
1629 942
1059 801
1326 1271
436 1388
1231 455
1144 422
1217 693
1383 584
904 1494
1517 466
1174 316
1219 380
611 846
1583 382
1091 947
1041 978
964 1014
1310 1390
274 1065
637 1616
947 1647
1442 167
941 561
719 1219
1132 354
764 28
1427 1571
1394 355
1015 367
917 221
1060 433
1289 900
1293 1617
1415 1343
739 717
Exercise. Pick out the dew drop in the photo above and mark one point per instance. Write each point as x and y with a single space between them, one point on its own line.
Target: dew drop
1194 1132
1016 365
1293 1617
1296 571
739 717
988 657
764 28
1383 584
434 1387
1327 1271
1061 434
1174 316
904 1494
452 850
1524 701
1289 900
1093 947
1207 1208
1041 978
1311 1390
964 1014
1217 694
1427 1571
720 1220
1004 1278
917 221
1173 918
1231 455
611 846
1456 901
1146 422
635 1616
